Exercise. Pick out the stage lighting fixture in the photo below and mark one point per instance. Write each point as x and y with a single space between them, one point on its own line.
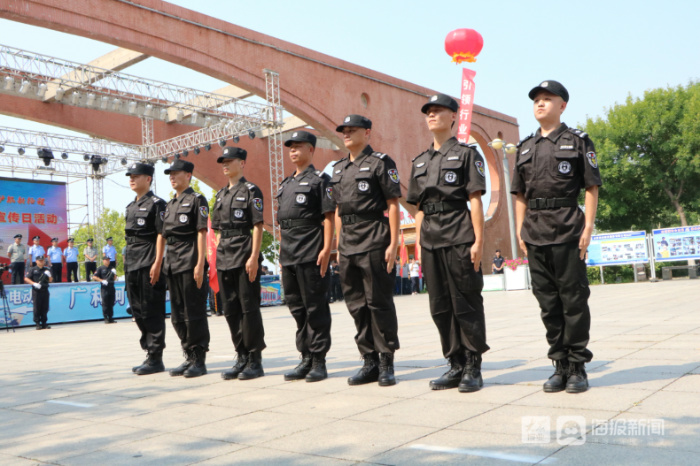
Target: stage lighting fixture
163 113
60 92
207 121
236 139
24 88
207 146
185 153
164 159
75 98
222 142
194 118
9 83
46 155
132 107
180 115
148 110
105 102
64 156
90 99
96 162
2 149
41 90
20 151
176 156
197 150
116 104
86 157
123 161
251 134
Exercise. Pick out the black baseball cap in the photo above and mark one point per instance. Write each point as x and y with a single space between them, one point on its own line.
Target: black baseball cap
89 240
357 121
555 87
442 100
109 238
18 236
301 136
106 258
71 240
232 153
180 165
141 169
39 258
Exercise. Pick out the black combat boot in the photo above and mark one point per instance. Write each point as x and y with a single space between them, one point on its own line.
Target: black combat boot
577 380
198 367
451 378
189 359
369 372
254 368
38 326
386 370
301 370
232 373
45 326
471 377
557 381
318 370
152 365
135 368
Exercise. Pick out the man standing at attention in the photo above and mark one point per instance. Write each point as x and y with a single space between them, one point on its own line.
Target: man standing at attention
71 255
364 185
238 210
55 256
552 166
450 243
90 253
17 252
110 251
306 215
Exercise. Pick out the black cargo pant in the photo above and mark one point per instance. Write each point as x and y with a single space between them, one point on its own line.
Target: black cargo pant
57 272
90 268
72 268
40 298
188 310
147 304
305 292
456 304
368 291
18 273
107 293
240 299
560 284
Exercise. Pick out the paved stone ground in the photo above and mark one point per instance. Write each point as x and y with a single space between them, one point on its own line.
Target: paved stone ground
68 395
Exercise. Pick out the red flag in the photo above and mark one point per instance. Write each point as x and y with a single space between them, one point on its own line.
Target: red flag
211 257
403 253
465 106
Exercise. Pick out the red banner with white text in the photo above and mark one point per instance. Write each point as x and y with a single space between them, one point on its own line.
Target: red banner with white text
465 105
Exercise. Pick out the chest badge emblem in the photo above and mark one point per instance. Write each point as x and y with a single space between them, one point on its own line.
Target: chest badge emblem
238 213
183 218
450 177
564 167
141 222
363 186
301 198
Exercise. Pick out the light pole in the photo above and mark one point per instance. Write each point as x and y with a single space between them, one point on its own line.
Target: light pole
508 149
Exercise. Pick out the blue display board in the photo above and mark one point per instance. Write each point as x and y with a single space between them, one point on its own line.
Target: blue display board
628 247
270 290
675 244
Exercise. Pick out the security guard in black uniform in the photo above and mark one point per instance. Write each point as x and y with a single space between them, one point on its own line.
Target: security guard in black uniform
450 242
143 261
39 276
106 276
238 209
364 185
552 166
306 215
185 229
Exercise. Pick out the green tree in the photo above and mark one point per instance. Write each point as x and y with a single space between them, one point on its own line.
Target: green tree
270 248
110 223
649 155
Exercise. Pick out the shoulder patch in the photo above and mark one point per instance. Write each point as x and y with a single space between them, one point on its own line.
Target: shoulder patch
250 186
198 195
578 133
380 155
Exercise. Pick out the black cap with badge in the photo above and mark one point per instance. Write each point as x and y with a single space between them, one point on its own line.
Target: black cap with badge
232 153
141 169
357 121
554 87
18 236
301 136
180 165
442 100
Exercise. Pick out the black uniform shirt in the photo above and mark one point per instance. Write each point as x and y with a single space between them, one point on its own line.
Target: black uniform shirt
237 208
185 215
38 275
104 272
144 219
558 165
449 174
362 187
305 196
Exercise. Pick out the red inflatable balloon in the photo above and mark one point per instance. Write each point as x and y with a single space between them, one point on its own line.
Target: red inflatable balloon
463 45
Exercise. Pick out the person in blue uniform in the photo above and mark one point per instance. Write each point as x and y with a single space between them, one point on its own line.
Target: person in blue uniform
110 251
71 256
36 250
55 257
552 166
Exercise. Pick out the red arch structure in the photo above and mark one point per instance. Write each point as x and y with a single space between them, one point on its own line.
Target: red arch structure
318 88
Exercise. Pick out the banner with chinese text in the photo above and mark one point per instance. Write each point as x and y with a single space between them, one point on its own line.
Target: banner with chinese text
466 105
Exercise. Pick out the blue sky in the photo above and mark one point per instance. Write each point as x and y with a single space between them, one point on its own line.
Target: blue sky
601 51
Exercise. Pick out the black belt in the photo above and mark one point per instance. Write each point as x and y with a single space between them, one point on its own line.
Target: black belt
552 203
444 206
181 239
235 232
299 222
356 218
141 239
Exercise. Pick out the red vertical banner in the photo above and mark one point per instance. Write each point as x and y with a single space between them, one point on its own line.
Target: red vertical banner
465 105
403 253
211 257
